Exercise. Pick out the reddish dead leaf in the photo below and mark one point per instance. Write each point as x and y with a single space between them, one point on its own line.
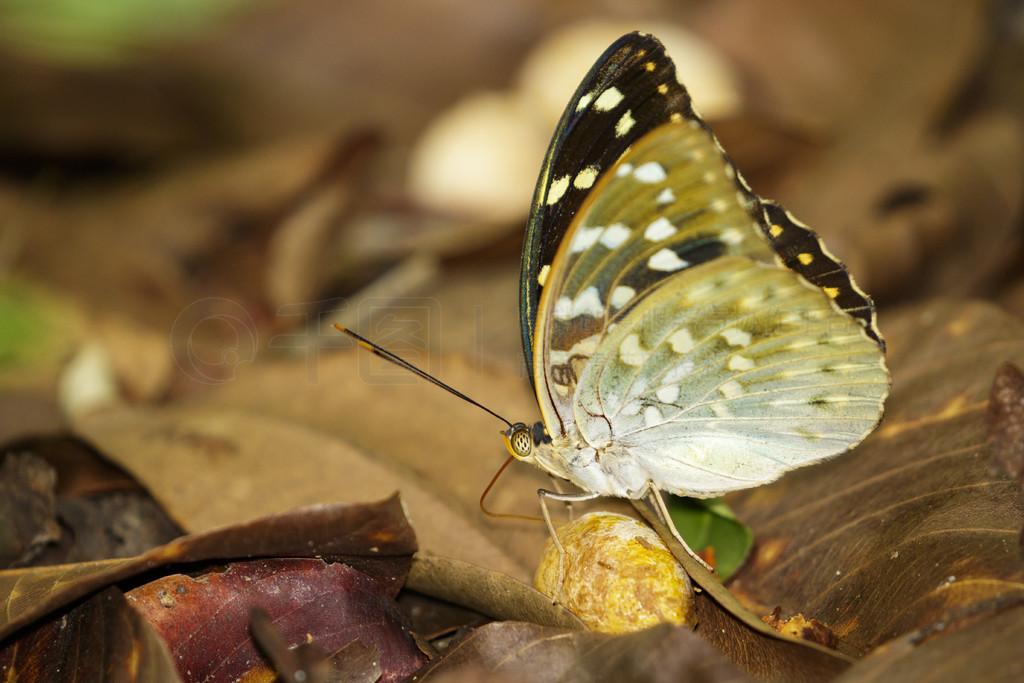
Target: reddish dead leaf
357 662
913 523
102 639
205 621
374 538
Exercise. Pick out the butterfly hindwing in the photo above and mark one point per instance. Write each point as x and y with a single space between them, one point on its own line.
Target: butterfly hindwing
631 90
731 373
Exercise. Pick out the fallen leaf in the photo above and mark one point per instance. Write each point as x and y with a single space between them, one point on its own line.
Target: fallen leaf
102 638
912 524
253 465
205 620
536 653
486 591
374 538
966 645
1006 421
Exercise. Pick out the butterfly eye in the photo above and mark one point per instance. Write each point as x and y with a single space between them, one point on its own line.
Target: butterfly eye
518 441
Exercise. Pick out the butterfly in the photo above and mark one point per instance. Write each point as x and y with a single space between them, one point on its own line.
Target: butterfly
682 334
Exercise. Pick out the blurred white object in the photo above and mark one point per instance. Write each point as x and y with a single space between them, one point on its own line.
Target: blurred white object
88 382
480 159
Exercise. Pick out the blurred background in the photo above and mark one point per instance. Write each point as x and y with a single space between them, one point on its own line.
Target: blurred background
191 191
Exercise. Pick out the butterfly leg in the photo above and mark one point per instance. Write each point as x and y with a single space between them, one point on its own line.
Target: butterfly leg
652 494
544 495
557 483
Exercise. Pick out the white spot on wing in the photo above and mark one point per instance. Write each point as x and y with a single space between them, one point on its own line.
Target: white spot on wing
731 389
624 125
608 100
731 236
666 197
738 362
681 341
622 295
668 394
720 410
585 178
585 101
615 235
679 372
736 337
666 260
563 308
556 190
659 230
584 239
652 416
651 172
588 303
624 170
719 205
542 276
630 351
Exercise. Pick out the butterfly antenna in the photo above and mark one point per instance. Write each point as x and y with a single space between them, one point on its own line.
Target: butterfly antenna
392 358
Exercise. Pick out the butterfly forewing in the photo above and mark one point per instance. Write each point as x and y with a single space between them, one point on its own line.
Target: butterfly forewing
669 204
631 90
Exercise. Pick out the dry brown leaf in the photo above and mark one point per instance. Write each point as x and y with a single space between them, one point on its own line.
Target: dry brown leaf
739 634
1005 418
537 653
212 467
910 181
913 523
489 592
969 645
149 250
415 430
102 638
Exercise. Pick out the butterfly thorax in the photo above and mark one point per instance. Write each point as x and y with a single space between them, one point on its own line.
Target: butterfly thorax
608 469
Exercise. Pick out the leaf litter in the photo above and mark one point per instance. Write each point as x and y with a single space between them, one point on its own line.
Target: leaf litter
206 277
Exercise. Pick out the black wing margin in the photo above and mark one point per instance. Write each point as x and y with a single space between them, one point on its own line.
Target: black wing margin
630 90
802 250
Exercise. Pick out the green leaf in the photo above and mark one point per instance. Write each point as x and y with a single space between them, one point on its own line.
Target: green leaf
37 329
104 31
710 523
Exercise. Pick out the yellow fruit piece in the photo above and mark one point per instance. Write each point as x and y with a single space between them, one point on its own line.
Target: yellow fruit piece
618 575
